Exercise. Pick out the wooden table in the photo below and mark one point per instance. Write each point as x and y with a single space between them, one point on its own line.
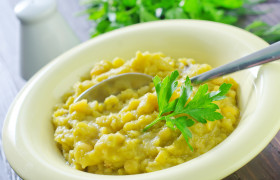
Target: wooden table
265 166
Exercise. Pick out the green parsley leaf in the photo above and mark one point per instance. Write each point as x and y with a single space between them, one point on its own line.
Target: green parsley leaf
145 15
220 94
231 4
176 13
186 91
129 3
103 25
97 13
182 123
165 90
170 123
193 8
200 108
269 33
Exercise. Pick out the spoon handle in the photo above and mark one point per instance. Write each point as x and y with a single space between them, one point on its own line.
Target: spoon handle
271 53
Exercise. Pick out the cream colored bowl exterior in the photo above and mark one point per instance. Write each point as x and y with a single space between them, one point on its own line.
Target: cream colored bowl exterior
28 131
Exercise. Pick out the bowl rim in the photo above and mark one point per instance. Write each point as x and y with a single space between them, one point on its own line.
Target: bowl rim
5 135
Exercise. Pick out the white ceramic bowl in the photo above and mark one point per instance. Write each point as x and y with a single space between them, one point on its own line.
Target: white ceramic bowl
28 131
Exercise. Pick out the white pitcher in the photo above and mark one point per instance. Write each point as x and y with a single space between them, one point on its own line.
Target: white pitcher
44 34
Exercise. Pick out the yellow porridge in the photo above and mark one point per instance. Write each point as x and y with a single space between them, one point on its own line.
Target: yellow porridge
108 137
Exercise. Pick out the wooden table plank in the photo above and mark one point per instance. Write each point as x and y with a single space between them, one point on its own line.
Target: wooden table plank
9 41
10 79
8 92
264 166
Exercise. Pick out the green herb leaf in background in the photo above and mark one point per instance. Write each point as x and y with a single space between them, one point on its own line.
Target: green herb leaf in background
180 114
112 14
269 33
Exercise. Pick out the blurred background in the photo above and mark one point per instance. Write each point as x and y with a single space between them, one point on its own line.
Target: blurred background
90 18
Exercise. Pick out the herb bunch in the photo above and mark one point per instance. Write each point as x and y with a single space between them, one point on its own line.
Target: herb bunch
182 112
113 14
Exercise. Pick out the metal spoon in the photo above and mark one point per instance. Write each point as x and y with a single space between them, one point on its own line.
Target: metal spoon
121 82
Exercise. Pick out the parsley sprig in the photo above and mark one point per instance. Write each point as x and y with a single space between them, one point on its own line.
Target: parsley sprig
180 114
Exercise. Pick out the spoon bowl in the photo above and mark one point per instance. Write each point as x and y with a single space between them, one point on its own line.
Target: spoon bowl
115 85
